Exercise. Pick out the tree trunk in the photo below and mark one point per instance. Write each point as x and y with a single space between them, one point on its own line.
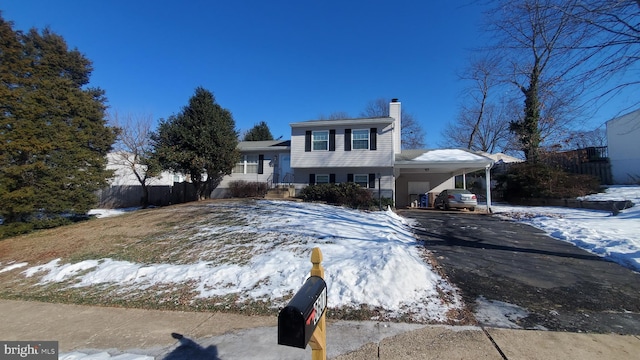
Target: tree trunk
145 196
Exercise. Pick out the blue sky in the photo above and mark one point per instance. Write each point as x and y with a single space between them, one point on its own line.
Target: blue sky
275 61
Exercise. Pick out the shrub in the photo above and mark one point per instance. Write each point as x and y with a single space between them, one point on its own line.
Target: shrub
14 229
348 194
527 180
243 189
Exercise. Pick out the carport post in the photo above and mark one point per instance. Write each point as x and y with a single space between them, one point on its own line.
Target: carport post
487 173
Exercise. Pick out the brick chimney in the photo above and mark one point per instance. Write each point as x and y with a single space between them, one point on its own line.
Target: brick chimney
395 113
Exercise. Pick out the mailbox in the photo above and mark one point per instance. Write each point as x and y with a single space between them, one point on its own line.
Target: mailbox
298 320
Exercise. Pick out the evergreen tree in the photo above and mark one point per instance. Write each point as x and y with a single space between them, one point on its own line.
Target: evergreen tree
259 132
53 134
201 142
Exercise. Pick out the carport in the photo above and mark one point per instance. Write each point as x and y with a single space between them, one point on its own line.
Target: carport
423 171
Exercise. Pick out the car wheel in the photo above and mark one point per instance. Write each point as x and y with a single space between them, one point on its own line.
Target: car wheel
472 209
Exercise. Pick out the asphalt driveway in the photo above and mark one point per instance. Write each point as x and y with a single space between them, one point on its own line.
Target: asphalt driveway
561 286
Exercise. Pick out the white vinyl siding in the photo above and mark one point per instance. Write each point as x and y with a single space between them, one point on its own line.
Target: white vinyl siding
320 140
340 158
360 139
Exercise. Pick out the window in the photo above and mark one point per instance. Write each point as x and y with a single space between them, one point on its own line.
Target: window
361 179
360 139
320 140
247 165
322 178
364 180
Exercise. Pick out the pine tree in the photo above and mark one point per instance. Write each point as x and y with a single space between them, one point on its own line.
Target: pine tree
201 142
53 132
260 132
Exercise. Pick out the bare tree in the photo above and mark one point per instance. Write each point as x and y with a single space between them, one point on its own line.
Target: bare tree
539 43
585 139
412 136
613 46
491 134
481 124
133 147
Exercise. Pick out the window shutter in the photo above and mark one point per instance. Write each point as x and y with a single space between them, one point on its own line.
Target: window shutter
347 139
307 141
373 139
312 179
349 177
332 140
260 164
332 178
372 181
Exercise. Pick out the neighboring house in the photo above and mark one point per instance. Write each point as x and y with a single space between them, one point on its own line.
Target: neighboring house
624 148
123 175
124 187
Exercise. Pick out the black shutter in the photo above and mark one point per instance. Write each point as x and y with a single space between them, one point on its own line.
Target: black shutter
307 141
260 164
312 179
347 139
332 178
332 140
349 177
372 181
373 139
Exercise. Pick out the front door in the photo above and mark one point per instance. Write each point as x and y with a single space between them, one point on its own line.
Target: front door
286 175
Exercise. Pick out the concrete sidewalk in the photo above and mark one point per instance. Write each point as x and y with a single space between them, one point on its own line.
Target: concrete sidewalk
228 336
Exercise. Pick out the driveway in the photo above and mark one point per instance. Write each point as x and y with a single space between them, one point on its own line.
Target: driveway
561 286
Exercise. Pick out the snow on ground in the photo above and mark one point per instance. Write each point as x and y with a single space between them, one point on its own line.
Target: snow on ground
616 238
370 258
100 213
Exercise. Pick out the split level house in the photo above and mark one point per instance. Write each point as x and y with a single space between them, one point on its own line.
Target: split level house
366 151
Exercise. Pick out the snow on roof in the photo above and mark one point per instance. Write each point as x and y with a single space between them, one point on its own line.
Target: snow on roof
449 155
501 157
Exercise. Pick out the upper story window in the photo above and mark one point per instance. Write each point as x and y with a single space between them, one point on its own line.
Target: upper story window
320 140
360 139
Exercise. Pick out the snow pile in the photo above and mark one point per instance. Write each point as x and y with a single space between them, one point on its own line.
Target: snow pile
616 238
369 258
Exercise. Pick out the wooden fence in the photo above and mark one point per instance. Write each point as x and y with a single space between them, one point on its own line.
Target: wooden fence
124 196
592 161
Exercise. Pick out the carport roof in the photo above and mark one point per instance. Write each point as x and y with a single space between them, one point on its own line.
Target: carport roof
442 160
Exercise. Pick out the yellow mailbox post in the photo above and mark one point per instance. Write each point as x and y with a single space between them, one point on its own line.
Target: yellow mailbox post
302 321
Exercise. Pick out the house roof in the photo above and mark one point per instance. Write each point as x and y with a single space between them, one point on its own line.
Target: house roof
270 145
343 122
441 161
